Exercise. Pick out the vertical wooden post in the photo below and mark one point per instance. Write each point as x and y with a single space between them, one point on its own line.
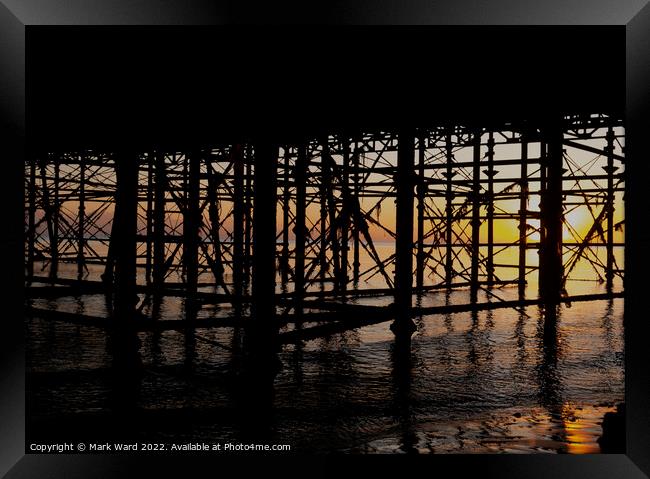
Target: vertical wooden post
124 239
81 218
523 206
476 215
55 221
490 210
421 193
261 343
191 224
108 275
124 236
300 227
324 184
48 209
331 211
551 269
403 325
248 192
150 215
449 212
52 216
345 216
263 328
286 197
31 220
216 262
610 169
149 220
213 213
159 221
238 214
357 191
542 192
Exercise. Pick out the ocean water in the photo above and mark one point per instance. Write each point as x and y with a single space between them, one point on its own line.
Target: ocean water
479 382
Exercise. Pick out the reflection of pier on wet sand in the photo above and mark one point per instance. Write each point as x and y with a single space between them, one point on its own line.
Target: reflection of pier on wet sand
338 317
574 431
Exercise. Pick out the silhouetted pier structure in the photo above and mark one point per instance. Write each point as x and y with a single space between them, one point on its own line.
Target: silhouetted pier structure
232 223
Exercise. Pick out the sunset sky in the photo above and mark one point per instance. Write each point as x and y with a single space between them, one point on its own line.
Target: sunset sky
581 218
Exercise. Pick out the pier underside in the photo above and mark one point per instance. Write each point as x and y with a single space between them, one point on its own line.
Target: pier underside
292 238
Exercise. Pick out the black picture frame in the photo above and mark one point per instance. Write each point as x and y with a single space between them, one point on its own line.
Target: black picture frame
15 16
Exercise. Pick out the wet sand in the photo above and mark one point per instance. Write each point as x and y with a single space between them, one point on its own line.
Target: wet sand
573 429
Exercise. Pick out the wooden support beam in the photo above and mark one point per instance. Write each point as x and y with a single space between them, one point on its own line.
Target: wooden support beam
238 224
421 195
148 275
324 184
476 214
523 207
300 227
341 321
124 341
216 261
248 207
403 325
56 211
490 172
51 217
596 151
449 209
31 221
348 318
124 236
286 198
160 185
551 266
333 238
543 167
355 235
81 229
263 330
610 169
345 217
192 222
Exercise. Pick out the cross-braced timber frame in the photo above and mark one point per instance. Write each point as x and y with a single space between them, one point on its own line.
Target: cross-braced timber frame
358 213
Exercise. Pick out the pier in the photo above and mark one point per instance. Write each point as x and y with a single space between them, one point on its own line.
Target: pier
276 228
